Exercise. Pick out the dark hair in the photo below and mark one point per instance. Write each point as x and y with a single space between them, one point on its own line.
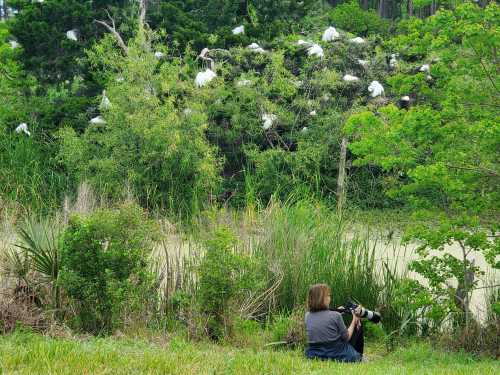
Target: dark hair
316 300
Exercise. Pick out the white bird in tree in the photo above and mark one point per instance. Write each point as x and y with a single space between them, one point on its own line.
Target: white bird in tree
330 34
256 48
268 119
302 42
312 113
363 62
243 82
98 120
357 40
13 44
315 50
72 35
393 62
239 30
23 128
350 78
159 55
376 89
105 102
304 129
202 78
425 68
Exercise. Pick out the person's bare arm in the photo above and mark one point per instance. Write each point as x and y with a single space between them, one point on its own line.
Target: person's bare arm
354 323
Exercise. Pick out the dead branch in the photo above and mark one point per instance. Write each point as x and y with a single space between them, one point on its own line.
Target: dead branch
112 29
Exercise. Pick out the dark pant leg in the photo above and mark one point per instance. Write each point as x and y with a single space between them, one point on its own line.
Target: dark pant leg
357 339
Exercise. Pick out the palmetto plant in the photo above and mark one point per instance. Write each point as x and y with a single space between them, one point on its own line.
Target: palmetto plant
40 240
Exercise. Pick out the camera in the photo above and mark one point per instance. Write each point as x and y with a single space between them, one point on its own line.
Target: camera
350 306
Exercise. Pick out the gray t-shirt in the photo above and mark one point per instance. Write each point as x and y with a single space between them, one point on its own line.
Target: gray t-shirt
325 326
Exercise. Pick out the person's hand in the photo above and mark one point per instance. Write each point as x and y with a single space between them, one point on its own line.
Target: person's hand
356 320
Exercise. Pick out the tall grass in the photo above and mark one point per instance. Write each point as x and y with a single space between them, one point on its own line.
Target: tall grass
27 174
310 244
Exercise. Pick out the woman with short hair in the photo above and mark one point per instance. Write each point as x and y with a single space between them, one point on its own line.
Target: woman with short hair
328 337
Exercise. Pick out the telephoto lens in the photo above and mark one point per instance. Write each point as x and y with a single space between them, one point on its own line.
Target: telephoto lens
372 316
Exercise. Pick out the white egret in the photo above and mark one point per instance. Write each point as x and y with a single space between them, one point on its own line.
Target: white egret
315 50
23 128
376 89
239 30
350 78
330 34
98 120
202 78
357 40
268 119
256 48
72 35
105 102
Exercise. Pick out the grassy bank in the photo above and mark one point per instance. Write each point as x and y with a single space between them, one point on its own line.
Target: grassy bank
35 354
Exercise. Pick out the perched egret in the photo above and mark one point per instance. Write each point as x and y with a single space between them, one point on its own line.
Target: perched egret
312 113
405 98
244 82
393 62
375 89
72 35
357 40
330 34
350 78
268 119
256 48
239 30
425 68
302 42
315 50
202 78
98 121
363 62
304 129
105 103
23 128
159 55
13 44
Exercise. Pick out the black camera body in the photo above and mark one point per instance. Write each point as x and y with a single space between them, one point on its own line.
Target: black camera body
350 306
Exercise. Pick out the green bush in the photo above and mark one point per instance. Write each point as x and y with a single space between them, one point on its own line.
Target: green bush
104 268
351 17
225 277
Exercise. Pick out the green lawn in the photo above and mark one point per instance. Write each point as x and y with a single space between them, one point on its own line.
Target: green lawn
34 354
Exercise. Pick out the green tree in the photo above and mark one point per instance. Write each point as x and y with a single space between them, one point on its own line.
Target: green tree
442 154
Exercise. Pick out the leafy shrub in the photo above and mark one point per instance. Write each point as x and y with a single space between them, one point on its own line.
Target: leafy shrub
351 17
225 276
104 269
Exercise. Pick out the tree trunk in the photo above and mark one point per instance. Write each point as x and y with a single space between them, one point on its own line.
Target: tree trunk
341 176
365 4
410 8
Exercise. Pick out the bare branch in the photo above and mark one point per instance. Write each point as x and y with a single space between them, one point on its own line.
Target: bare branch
112 29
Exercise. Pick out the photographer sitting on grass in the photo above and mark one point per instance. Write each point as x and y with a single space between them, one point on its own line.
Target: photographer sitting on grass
328 337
